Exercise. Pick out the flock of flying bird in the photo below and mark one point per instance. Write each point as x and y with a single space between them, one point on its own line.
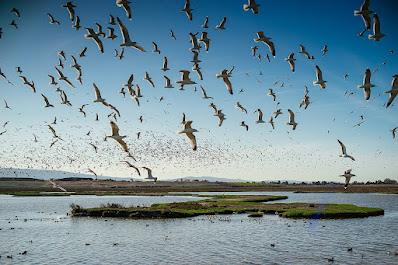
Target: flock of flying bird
225 74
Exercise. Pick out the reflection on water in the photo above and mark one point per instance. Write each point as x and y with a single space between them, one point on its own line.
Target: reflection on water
40 226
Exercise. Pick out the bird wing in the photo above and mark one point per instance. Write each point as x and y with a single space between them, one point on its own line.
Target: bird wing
138 47
366 79
204 92
223 22
45 99
271 47
115 129
99 43
69 82
187 125
123 29
367 20
318 73
260 115
130 81
376 24
291 115
97 92
185 75
128 10
59 72
192 140
342 146
228 84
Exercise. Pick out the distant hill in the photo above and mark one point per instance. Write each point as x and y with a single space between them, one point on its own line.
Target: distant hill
211 179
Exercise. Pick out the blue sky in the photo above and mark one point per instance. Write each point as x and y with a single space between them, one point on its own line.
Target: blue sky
311 152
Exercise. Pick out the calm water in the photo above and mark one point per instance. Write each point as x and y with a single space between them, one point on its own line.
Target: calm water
40 226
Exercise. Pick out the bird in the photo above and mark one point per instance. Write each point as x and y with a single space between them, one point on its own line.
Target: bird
64 99
53 82
77 23
224 75
188 130
377 35
196 68
254 49
62 77
52 21
204 94
271 93
26 82
95 37
6 105
271 121
150 177
260 117
12 23
277 112
98 95
130 81
16 12
69 6
112 20
394 90
1 33
345 76
244 125
164 68
187 9
205 23
239 106
96 177
54 133
82 53
393 132
126 7
267 56
155 47
172 35
111 34
168 83
205 40
115 135
344 152
130 165
121 54
221 25
366 84
47 103
291 60
126 38
291 119
303 51
183 118
266 40
221 117
364 12
319 81
195 59
251 5
148 79
324 50
348 176
94 146
185 80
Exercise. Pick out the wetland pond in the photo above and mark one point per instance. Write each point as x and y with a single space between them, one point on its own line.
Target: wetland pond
42 227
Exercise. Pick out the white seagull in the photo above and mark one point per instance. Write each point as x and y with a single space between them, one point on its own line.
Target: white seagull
205 23
347 175
168 83
111 34
147 78
377 35
130 165
125 5
155 46
150 174
187 9
252 5
204 94
221 26
95 37
221 117
260 117
98 95
265 40
394 90
319 81
47 103
364 12
189 133
115 135
126 38
366 84
205 40
69 6
344 152
303 51
164 68
52 21
224 75
291 60
291 119
185 80
62 77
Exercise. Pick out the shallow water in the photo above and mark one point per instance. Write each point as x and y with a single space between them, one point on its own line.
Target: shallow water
41 226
